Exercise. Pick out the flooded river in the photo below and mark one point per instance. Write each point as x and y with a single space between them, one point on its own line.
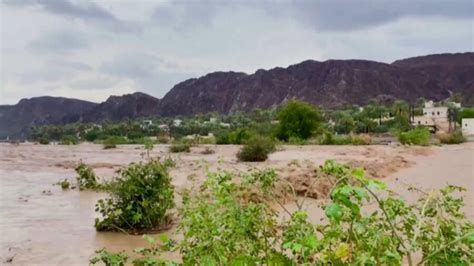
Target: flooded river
42 225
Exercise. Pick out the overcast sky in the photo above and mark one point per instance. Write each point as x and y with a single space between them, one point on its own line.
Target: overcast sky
93 49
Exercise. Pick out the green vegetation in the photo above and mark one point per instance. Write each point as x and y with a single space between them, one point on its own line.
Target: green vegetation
417 136
465 113
298 119
180 147
69 140
452 138
295 122
65 184
86 178
222 224
256 149
43 141
140 199
351 139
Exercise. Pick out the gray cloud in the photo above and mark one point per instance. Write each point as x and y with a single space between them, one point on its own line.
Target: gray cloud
321 15
86 11
53 71
186 15
58 42
346 15
145 70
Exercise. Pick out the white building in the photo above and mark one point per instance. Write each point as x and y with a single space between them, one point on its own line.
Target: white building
467 125
433 116
146 124
177 122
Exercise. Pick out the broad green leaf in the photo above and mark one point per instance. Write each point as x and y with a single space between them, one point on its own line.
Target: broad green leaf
334 211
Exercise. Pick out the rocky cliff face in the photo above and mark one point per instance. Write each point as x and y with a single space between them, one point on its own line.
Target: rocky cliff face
330 84
17 120
127 106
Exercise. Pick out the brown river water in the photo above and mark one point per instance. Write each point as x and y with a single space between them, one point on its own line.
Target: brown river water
42 225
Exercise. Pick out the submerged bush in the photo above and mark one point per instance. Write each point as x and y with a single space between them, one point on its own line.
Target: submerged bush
180 147
86 177
208 150
256 149
43 141
112 141
452 138
140 199
351 139
64 184
69 140
417 136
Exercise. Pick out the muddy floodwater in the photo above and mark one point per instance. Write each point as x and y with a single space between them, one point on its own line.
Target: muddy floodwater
42 225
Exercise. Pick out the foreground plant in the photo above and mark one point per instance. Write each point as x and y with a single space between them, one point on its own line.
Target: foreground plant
226 223
140 199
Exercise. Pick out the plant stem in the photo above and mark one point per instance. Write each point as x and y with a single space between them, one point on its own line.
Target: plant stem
445 246
394 231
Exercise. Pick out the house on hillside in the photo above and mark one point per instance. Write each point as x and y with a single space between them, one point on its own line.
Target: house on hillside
467 125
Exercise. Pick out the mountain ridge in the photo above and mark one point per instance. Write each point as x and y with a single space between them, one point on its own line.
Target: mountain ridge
331 83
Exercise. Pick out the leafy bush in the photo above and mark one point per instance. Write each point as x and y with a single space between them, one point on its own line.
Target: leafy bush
220 229
180 147
298 119
256 149
221 225
417 136
69 140
237 137
86 177
452 138
140 199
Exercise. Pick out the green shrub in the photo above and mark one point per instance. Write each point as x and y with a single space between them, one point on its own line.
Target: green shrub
180 147
452 138
256 149
297 141
86 177
43 141
111 142
417 136
140 199
69 140
64 184
236 137
299 120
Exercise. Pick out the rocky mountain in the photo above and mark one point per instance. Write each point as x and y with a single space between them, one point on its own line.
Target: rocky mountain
330 84
127 106
16 120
